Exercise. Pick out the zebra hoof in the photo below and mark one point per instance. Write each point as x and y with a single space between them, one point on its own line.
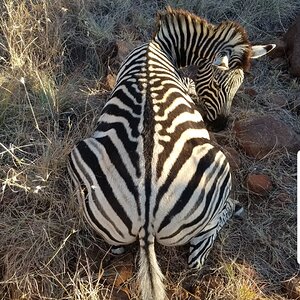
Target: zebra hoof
117 250
239 212
195 265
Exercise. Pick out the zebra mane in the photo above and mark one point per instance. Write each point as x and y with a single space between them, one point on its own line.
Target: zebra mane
226 31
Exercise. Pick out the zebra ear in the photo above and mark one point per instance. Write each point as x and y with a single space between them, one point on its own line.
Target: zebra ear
261 50
221 62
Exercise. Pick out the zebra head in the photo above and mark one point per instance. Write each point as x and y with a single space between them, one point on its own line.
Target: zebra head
217 83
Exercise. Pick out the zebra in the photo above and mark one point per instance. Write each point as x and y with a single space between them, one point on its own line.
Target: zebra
149 172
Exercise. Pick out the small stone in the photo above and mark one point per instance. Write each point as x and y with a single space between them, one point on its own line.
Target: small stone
279 101
250 91
259 184
283 199
120 271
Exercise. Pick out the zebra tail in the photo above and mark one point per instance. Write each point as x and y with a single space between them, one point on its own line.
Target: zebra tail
150 276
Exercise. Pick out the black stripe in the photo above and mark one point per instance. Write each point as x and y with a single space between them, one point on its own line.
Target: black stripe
205 248
174 42
207 204
119 93
97 223
115 110
168 146
117 160
204 163
183 157
86 203
130 146
92 161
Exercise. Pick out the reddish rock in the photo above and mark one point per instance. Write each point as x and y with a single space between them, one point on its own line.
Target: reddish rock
261 135
292 40
233 157
119 274
250 91
278 100
259 184
282 199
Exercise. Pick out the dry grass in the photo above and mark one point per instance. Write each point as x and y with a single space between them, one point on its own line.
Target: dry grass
54 57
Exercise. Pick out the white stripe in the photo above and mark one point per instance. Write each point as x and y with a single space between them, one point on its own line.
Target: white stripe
178 146
168 93
110 119
184 117
176 102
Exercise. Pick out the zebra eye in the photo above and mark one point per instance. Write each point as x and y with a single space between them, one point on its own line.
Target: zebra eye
222 54
221 61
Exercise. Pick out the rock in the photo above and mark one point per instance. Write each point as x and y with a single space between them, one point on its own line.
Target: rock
292 41
233 157
259 136
250 91
119 274
289 46
292 288
278 100
259 184
282 200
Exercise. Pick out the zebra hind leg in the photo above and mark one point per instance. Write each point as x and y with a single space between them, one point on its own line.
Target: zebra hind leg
201 245
238 211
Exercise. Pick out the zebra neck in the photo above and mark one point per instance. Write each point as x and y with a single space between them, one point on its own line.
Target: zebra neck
188 38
